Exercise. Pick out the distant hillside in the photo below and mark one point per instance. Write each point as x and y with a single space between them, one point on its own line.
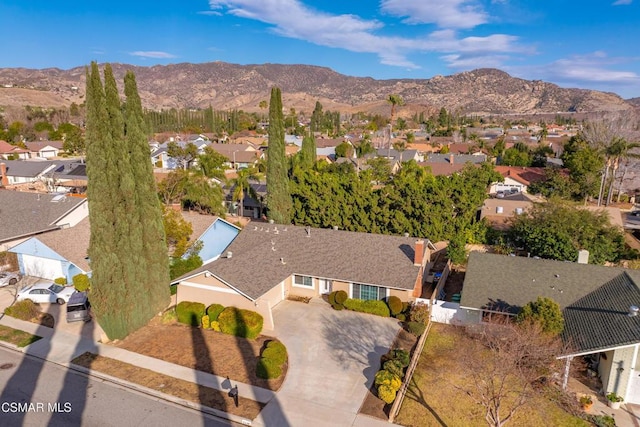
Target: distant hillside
225 86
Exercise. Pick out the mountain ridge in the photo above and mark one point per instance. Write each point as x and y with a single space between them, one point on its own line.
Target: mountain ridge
226 86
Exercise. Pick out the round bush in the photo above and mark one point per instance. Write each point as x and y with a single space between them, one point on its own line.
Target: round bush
190 313
338 307
341 297
385 377
401 317
405 307
387 394
395 305
332 298
276 354
416 328
81 282
23 310
278 346
60 281
268 369
395 367
214 310
400 355
240 322
206 323
215 325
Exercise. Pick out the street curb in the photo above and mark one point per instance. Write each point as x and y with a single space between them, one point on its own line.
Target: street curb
151 392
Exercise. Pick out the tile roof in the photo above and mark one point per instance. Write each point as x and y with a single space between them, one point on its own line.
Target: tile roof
6 148
24 213
595 299
262 258
525 175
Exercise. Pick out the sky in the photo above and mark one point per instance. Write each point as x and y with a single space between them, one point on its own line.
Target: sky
591 44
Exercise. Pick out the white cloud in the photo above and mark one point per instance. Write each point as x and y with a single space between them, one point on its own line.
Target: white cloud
209 12
152 54
446 14
291 18
622 2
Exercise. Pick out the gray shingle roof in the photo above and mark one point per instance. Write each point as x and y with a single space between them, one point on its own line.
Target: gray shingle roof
27 169
71 243
595 299
29 213
255 267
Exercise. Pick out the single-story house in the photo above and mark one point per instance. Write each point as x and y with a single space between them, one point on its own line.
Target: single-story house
517 178
266 263
29 214
44 149
9 151
498 212
599 304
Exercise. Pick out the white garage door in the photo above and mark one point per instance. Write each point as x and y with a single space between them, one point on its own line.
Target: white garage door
41 267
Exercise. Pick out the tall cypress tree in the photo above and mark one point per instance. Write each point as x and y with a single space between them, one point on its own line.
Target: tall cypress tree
278 196
128 285
152 239
308 151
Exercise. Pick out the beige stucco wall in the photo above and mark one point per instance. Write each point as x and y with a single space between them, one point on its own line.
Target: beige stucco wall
615 376
340 286
300 290
404 294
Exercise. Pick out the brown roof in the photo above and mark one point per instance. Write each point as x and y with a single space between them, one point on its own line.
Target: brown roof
72 243
443 169
525 175
262 258
199 222
39 145
6 148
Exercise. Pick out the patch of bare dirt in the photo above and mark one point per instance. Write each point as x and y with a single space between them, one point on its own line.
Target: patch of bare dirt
204 350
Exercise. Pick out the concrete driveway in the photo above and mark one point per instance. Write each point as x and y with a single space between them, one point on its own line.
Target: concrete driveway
333 357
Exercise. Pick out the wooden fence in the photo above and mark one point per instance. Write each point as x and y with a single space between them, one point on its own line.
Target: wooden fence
397 403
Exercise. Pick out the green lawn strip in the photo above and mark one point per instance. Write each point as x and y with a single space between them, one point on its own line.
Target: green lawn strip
17 337
431 393
186 390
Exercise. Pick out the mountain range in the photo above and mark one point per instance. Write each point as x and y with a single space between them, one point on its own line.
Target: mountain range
227 86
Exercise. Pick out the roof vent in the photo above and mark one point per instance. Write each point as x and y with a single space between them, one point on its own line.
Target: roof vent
633 311
229 254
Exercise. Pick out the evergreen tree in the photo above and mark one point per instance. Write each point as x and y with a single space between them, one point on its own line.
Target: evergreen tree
127 247
316 118
308 152
278 196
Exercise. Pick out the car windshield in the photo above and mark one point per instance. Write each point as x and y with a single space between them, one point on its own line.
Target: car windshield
55 288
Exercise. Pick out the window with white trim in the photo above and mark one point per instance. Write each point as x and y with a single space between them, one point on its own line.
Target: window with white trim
303 281
368 292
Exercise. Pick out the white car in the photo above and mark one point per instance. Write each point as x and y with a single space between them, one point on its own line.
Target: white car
8 278
46 293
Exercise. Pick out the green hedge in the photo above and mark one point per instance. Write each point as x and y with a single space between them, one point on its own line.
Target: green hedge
23 310
416 328
395 305
190 313
214 310
376 307
395 367
268 369
240 322
400 355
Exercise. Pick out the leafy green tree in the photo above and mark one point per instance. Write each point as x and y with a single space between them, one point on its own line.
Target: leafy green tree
178 232
584 163
545 312
278 196
192 190
380 169
456 251
344 149
183 155
242 186
557 230
212 164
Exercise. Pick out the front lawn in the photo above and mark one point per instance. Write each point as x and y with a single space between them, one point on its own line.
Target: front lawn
16 337
433 400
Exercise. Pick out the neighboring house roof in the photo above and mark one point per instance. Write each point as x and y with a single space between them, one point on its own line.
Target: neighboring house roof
524 175
35 146
27 169
498 211
595 299
24 214
395 155
6 148
71 243
442 169
266 254
456 158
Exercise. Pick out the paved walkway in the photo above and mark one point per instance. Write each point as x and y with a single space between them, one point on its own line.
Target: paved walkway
627 416
327 380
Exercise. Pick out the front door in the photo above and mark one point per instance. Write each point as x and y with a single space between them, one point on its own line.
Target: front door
325 286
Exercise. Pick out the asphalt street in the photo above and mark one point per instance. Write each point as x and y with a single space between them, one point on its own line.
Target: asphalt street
40 393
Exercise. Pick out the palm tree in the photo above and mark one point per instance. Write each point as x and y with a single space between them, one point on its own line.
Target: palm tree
394 99
241 184
620 152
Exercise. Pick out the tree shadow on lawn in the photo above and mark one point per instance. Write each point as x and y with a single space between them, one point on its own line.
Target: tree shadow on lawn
414 393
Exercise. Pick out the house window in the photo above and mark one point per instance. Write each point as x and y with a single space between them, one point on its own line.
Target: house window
368 292
303 281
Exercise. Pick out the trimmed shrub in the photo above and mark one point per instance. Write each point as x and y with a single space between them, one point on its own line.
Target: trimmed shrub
395 367
401 317
405 307
416 328
23 310
169 317
62 281
379 308
385 377
214 310
400 355
215 325
190 313
206 323
341 297
274 354
419 313
332 298
173 289
81 282
268 369
278 347
395 305
240 322
338 307
387 394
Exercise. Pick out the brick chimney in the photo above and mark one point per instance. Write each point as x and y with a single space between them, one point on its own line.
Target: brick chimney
3 174
451 157
418 253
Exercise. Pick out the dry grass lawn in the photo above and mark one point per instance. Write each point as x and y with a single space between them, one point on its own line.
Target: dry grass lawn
179 388
432 399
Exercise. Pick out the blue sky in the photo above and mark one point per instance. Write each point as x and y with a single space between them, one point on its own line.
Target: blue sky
590 44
